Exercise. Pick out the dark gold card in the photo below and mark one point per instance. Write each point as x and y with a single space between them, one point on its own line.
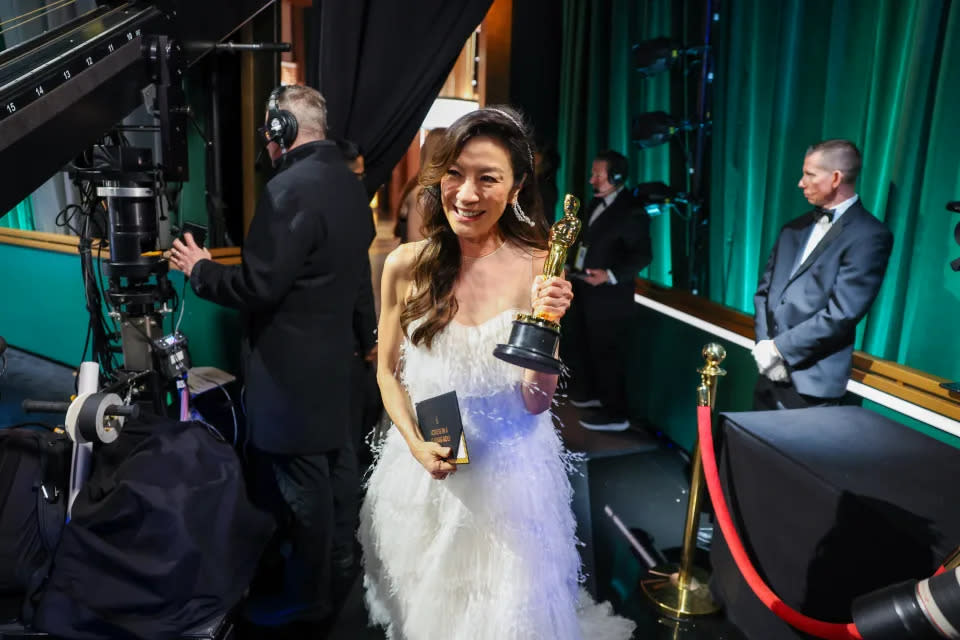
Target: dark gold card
440 422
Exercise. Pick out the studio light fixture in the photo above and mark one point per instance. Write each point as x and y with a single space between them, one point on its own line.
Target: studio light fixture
658 198
657 127
651 57
654 128
654 56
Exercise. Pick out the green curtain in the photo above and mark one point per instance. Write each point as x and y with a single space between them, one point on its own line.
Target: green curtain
600 93
883 73
21 217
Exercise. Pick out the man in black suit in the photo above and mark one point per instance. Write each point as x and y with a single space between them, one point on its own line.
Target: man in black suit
614 245
303 262
824 273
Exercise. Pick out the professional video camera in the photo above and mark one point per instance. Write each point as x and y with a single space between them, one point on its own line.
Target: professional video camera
123 189
67 88
131 185
913 609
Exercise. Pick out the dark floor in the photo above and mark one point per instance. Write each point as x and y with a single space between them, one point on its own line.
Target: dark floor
643 481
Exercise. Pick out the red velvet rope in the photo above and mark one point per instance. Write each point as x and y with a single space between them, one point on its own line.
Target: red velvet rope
827 630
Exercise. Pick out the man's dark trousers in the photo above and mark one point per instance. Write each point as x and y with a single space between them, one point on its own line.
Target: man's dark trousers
298 491
604 316
769 396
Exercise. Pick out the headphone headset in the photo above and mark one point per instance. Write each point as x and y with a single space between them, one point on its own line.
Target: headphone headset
616 169
281 125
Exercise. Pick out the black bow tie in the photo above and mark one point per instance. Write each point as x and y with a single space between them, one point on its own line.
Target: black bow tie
821 212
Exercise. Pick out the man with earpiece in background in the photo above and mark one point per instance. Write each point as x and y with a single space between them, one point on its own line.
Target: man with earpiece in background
303 262
614 245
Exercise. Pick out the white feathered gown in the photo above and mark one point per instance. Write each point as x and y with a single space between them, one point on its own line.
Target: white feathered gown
490 552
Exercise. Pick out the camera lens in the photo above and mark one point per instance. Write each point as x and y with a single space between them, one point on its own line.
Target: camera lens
929 609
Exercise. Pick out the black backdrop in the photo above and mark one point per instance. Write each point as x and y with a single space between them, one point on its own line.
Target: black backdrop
380 64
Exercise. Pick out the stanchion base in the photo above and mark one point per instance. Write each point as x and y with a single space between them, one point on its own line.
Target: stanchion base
661 586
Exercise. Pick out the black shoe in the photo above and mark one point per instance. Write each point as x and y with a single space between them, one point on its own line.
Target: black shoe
586 403
602 421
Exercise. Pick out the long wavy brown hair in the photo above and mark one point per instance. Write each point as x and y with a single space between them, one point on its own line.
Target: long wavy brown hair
437 266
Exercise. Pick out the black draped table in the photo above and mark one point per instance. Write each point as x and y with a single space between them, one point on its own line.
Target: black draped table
830 503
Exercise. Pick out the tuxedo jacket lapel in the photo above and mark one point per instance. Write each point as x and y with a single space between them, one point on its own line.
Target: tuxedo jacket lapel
792 242
605 218
835 230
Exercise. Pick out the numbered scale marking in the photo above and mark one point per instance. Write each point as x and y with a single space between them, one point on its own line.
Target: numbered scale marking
62 73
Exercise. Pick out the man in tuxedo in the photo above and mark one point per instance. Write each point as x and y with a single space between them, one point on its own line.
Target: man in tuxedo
820 280
303 265
614 245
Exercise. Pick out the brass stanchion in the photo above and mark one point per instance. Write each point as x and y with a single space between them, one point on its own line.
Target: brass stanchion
681 590
952 561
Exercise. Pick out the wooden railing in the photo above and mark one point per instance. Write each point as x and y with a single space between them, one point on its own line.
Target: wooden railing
914 386
909 384
68 244
43 240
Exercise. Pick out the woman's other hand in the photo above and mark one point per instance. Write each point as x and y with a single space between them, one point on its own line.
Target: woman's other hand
433 457
550 297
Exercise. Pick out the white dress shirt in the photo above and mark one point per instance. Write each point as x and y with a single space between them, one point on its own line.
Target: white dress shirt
821 228
607 201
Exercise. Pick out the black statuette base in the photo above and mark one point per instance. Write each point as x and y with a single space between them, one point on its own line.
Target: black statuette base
531 346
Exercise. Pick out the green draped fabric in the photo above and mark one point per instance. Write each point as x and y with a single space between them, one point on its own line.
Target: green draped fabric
883 73
599 95
20 218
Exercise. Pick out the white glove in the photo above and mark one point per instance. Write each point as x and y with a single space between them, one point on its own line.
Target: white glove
778 372
766 354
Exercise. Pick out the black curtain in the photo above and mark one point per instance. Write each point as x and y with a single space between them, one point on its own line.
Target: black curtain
535 56
380 64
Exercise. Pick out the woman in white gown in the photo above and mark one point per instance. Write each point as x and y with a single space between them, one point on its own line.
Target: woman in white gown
486 551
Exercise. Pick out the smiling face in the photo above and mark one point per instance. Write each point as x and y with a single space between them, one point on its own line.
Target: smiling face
477 188
819 183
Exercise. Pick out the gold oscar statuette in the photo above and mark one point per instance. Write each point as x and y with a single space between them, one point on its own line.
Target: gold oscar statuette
534 338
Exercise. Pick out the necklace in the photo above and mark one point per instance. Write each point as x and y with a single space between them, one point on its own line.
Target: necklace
486 255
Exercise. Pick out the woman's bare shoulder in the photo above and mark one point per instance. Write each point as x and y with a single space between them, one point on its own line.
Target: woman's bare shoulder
401 259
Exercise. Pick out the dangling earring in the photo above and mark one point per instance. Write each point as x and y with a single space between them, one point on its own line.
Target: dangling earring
521 216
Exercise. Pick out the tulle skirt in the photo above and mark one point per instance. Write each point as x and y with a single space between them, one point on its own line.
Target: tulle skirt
489 552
